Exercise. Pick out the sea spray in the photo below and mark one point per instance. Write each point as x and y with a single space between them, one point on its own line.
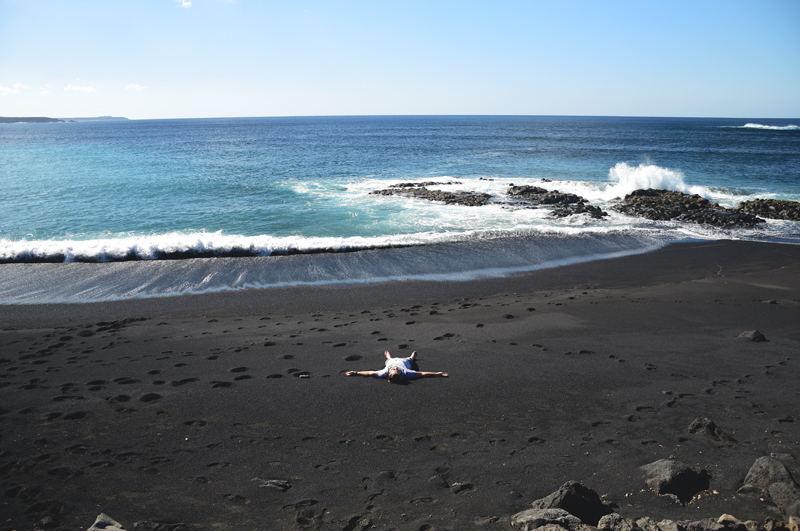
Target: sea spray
644 176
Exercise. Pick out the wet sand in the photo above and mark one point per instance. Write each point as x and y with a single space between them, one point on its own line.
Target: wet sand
232 410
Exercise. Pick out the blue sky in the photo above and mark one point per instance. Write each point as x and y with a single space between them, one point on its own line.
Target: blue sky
216 58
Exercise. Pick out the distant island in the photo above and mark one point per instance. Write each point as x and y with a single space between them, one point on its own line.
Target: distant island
45 120
95 119
27 120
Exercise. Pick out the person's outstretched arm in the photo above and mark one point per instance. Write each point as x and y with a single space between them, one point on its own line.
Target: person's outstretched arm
431 374
360 373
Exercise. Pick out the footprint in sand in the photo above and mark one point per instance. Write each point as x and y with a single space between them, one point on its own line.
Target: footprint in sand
78 449
150 397
119 398
178 383
62 398
462 488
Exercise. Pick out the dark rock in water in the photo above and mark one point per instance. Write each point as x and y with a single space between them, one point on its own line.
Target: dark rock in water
752 335
579 208
665 205
707 428
541 196
772 209
576 499
667 476
423 184
567 204
449 198
543 518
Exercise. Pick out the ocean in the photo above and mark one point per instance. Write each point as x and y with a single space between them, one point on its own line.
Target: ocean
93 211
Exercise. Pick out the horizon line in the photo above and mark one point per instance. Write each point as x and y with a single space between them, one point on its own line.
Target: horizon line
107 117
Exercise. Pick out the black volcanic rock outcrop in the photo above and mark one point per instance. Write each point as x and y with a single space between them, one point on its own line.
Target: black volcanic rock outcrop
420 191
772 209
665 205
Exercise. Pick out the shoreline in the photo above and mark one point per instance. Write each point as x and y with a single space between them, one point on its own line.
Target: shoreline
675 262
231 410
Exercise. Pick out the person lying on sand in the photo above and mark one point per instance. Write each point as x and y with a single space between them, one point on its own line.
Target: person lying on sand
397 369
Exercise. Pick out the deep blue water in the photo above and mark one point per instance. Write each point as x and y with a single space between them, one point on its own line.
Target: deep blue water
100 191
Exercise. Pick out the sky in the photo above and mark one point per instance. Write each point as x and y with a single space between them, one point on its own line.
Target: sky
146 59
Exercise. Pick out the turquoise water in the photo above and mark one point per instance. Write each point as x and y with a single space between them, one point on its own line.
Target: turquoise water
109 191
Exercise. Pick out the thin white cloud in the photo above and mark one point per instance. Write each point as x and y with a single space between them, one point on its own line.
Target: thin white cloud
80 89
134 86
184 3
16 88
45 89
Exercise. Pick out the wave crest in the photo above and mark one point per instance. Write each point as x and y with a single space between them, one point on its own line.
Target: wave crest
180 245
771 127
645 176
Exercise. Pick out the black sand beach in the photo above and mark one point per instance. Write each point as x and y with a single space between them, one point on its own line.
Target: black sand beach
232 410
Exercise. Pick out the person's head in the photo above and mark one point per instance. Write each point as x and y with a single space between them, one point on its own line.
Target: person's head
394 375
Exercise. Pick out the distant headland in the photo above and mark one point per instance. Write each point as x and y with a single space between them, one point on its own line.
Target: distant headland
46 120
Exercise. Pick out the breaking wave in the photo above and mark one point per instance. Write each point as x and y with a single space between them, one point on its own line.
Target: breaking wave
629 178
175 246
770 127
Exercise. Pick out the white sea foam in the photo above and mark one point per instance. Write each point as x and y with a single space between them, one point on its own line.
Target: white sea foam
770 127
644 176
452 261
395 221
188 245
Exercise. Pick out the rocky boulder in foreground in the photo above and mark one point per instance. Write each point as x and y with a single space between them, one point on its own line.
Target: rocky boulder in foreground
668 477
769 479
576 499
